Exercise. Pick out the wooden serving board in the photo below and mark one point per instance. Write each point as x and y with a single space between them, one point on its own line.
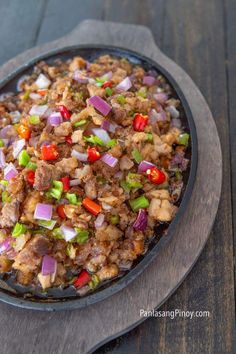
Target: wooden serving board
82 331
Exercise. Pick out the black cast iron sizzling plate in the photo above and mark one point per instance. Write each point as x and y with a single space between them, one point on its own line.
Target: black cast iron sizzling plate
64 300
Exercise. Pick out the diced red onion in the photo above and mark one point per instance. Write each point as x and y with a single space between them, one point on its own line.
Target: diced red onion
17 147
79 155
152 73
49 265
8 132
157 116
101 105
20 82
161 97
75 182
79 76
107 76
176 122
10 172
102 134
5 245
148 80
119 175
15 116
68 232
124 85
33 141
99 221
55 118
173 111
179 161
108 126
125 265
39 110
5 95
113 127
109 160
34 96
43 212
11 253
144 166
42 82
105 125
2 159
63 201
140 223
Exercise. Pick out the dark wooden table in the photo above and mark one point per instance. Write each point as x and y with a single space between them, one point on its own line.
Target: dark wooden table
200 36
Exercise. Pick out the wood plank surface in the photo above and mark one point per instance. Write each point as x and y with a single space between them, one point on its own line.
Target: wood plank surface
192 33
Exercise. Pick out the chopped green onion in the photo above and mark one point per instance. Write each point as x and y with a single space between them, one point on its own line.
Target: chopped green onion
56 233
149 137
72 197
31 166
82 235
183 139
6 197
137 156
26 95
56 190
23 158
4 183
125 186
142 92
93 139
139 203
34 120
108 91
47 224
1 143
94 282
133 180
114 219
178 175
111 143
80 123
121 99
18 230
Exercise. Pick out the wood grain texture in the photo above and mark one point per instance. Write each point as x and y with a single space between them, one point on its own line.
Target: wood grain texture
192 33
166 272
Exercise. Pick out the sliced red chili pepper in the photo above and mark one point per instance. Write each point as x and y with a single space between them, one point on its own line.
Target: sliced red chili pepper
140 121
64 112
91 206
30 177
61 211
68 139
107 84
66 183
155 175
83 279
93 154
49 152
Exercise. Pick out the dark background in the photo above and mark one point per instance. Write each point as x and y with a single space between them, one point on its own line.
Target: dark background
200 35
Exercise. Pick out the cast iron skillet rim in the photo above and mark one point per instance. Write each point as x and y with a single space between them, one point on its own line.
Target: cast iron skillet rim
138 269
